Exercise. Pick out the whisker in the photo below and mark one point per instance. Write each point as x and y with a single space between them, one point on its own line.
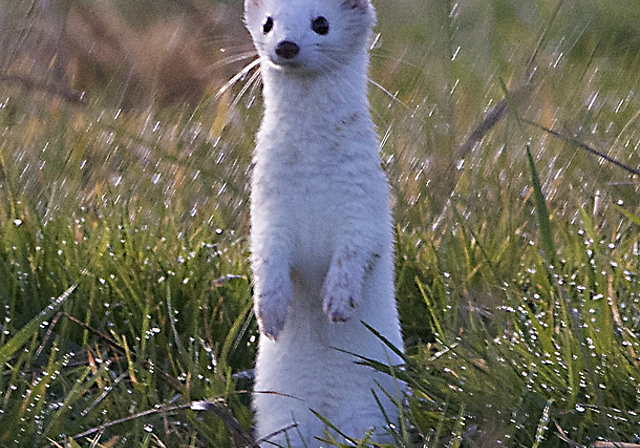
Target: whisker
393 96
377 56
236 78
237 49
228 60
249 84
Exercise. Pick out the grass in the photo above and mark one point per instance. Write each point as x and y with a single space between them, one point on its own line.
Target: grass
124 282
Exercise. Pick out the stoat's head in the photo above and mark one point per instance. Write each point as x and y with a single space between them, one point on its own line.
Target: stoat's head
309 35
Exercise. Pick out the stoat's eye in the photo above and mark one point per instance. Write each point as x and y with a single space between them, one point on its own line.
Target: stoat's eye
267 25
320 25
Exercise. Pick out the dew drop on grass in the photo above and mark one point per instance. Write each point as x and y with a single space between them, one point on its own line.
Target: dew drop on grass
580 408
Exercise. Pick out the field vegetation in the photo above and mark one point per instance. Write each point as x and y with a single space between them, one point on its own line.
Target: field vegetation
511 136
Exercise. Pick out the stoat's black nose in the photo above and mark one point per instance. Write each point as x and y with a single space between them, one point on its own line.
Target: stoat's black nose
287 49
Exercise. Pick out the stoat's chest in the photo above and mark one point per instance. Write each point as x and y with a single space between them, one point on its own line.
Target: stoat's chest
308 201
315 190
316 175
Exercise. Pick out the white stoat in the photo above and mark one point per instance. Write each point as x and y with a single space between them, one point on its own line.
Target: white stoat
321 230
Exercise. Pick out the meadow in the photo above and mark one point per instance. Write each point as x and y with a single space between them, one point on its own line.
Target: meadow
510 134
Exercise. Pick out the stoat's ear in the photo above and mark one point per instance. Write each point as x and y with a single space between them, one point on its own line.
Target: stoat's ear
353 4
251 4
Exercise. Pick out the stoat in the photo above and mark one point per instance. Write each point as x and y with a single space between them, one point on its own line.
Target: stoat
321 227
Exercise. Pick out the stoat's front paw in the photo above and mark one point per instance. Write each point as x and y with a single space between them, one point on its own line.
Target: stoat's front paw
271 302
342 289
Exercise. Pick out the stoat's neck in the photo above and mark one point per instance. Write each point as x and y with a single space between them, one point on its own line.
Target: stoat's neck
318 96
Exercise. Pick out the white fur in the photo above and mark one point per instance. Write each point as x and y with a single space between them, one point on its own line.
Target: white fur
321 232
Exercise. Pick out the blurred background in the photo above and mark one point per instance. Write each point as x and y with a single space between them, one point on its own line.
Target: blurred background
438 67
138 53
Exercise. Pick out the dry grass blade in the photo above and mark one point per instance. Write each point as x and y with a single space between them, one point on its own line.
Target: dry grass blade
579 144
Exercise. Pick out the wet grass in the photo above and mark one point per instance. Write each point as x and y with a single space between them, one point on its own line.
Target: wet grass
124 283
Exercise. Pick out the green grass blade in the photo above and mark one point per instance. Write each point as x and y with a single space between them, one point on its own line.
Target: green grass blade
330 425
231 339
435 321
544 222
81 387
543 425
458 431
26 333
630 216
